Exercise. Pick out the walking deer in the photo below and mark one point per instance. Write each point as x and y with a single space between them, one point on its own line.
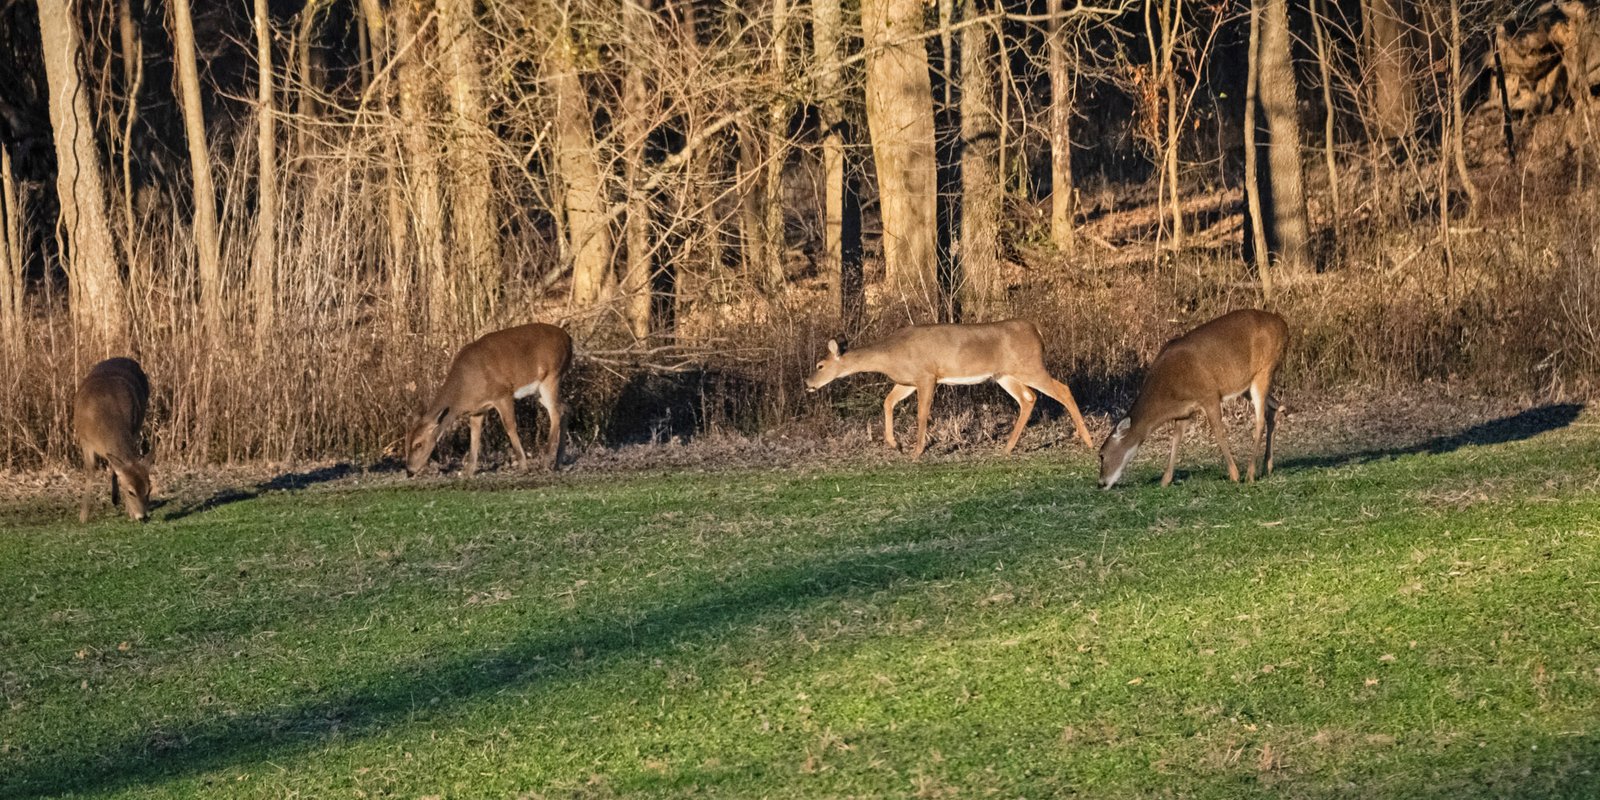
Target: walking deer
107 413
921 357
1235 353
492 373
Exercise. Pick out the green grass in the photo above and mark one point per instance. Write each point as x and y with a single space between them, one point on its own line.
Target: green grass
1425 625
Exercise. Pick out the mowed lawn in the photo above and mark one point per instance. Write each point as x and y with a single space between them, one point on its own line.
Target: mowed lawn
1420 623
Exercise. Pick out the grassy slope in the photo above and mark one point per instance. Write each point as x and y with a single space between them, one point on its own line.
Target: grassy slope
1427 625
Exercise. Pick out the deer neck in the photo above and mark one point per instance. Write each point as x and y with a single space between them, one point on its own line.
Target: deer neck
865 359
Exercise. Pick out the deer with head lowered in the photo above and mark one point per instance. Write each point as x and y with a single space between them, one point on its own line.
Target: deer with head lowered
107 413
492 373
1235 353
920 357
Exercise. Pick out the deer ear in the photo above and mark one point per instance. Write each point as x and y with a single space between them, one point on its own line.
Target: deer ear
1122 427
833 347
443 412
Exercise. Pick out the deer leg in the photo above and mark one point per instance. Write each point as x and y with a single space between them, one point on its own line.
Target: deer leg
474 424
1178 429
88 486
924 407
549 398
1214 413
896 395
1059 392
1025 400
507 409
1258 399
1272 425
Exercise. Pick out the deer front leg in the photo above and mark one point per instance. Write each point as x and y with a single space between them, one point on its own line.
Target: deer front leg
1178 429
474 424
924 406
1214 413
507 409
88 486
553 407
1025 400
896 395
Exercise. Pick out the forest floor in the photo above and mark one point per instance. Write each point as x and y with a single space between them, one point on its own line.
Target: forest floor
1405 608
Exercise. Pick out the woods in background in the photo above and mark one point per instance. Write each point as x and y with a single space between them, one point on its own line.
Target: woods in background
289 209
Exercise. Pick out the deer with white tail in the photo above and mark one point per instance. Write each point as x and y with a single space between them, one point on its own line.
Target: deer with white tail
492 373
1237 353
107 413
920 357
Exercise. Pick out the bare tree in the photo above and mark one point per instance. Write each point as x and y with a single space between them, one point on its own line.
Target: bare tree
1389 73
983 285
636 113
474 240
1062 205
99 309
265 252
208 249
900 118
577 162
11 272
777 150
421 159
1252 154
841 213
1289 235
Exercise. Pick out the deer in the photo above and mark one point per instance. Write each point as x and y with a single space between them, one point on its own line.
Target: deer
492 373
107 414
920 357
1195 374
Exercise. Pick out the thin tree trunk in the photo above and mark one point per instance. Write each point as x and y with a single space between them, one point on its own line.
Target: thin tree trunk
1325 68
578 163
841 218
208 251
900 118
983 285
1252 154
772 230
422 164
10 259
636 120
133 80
1291 228
1062 206
474 232
304 49
265 252
1457 118
1169 15
99 310
1389 73
400 264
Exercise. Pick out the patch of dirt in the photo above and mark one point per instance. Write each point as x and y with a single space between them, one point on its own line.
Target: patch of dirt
1314 429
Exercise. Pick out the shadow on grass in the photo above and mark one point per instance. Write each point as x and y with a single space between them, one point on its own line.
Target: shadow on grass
289 481
409 693
1515 428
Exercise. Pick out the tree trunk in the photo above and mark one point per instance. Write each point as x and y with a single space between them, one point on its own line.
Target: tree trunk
1393 110
841 214
1253 184
984 289
636 121
578 163
1062 207
900 119
1458 119
265 253
773 245
99 310
1289 235
400 265
474 232
422 163
1325 70
208 250
11 266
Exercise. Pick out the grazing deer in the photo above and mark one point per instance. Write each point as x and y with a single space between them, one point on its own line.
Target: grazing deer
492 373
107 413
1235 353
921 357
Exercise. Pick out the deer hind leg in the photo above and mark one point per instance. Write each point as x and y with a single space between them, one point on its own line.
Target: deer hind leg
1178 429
551 400
1058 391
89 481
1214 414
896 395
1259 389
507 409
1272 425
1024 396
924 407
475 425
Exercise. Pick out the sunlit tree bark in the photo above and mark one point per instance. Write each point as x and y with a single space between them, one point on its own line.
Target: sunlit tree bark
578 164
263 257
841 209
983 287
475 250
1289 235
1062 207
208 250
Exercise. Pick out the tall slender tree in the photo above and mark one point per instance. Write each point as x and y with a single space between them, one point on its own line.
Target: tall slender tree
841 209
577 162
208 247
1062 206
474 225
421 159
1289 234
264 254
99 308
983 286
900 119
